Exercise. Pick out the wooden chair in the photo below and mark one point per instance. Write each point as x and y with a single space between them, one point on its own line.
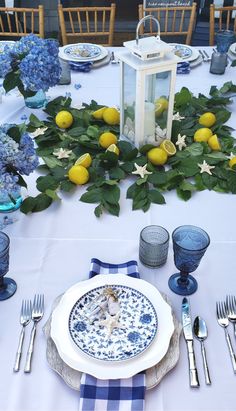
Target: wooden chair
19 22
221 18
87 22
174 21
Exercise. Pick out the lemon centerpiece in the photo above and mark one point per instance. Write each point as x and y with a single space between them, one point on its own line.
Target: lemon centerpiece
64 119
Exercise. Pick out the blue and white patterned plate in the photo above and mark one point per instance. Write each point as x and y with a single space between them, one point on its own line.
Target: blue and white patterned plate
137 324
4 43
182 51
83 51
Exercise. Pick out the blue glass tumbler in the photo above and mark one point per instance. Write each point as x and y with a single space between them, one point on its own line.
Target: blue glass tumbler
189 244
224 38
7 285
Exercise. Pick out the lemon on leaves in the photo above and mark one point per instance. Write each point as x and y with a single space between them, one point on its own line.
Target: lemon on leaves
214 143
202 134
207 119
232 162
98 114
85 160
106 139
111 116
157 156
64 119
78 175
114 149
168 147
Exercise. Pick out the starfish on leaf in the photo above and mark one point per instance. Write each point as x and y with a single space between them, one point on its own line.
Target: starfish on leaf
141 170
205 168
62 153
38 132
181 142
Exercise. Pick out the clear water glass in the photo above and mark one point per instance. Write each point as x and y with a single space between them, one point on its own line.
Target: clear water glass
218 63
189 244
7 285
153 246
65 77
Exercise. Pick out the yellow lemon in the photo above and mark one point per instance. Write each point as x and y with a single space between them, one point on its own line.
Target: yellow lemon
106 139
207 119
213 142
202 134
64 119
157 156
232 162
158 110
85 160
168 147
163 101
98 114
111 116
78 175
114 149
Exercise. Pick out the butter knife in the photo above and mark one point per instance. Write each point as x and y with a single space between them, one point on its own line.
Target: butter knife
188 335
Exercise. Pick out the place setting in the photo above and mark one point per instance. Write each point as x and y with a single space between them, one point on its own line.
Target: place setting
84 56
190 56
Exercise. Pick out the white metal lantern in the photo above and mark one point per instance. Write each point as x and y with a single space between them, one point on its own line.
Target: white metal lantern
148 73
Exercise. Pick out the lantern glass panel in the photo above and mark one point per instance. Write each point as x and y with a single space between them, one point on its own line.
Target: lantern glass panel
129 93
157 90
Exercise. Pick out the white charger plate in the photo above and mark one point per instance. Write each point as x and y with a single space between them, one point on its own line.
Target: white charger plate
232 48
189 53
68 52
79 361
5 43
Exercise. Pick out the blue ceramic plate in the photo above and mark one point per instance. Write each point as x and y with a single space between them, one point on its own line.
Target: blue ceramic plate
83 51
3 44
136 323
182 51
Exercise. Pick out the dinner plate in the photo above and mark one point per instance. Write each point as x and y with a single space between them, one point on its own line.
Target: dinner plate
82 52
5 43
232 48
186 53
78 360
119 335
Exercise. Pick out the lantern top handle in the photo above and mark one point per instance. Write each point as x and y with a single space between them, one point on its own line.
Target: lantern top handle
148 17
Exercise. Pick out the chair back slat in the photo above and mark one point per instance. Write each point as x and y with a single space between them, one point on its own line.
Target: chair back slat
91 22
221 18
175 21
19 21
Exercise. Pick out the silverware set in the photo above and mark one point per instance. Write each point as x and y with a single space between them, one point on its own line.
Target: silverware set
226 312
205 56
29 312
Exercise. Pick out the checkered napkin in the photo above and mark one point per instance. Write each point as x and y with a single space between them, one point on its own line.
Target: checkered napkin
183 67
112 395
84 67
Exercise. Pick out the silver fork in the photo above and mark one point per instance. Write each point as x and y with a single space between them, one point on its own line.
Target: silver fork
231 310
224 322
37 314
25 317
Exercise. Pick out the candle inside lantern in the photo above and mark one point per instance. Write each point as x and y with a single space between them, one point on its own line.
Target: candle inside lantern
149 119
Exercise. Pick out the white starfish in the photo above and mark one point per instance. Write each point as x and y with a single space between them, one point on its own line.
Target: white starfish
111 322
62 153
177 117
38 132
181 142
141 170
205 168
159 132
232 155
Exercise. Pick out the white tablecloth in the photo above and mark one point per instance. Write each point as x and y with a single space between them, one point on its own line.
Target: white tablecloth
51 250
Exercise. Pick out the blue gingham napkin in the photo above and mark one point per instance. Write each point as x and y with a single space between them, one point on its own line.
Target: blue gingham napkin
183 67
84 67
112 395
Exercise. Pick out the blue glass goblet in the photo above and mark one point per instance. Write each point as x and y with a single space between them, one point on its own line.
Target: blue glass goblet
7 285
189 244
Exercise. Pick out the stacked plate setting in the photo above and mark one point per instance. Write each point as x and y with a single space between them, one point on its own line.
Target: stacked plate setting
84 54
140 342
187 53
232 51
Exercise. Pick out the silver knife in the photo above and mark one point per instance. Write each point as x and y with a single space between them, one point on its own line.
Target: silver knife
188 335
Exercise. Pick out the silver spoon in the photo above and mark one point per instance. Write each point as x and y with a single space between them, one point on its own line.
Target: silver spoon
200 331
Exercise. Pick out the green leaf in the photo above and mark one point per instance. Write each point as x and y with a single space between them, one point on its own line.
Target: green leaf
131 191
156 197
222 116
67 186
93 131
209 181
11 81
51 162
46 182
116 173
144 149
52 194
233 64
28 205
157 178
92 196
187 186
14 133
189 167
127 167
146 206
139 203
113 209
35 122
198 183
77 131
98 210
195 149
42 202
184 194
232 181
216 155
183 97
21 181
226 87
111 194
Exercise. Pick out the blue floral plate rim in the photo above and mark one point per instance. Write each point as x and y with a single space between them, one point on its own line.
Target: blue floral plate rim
70 52
4 43
148 324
